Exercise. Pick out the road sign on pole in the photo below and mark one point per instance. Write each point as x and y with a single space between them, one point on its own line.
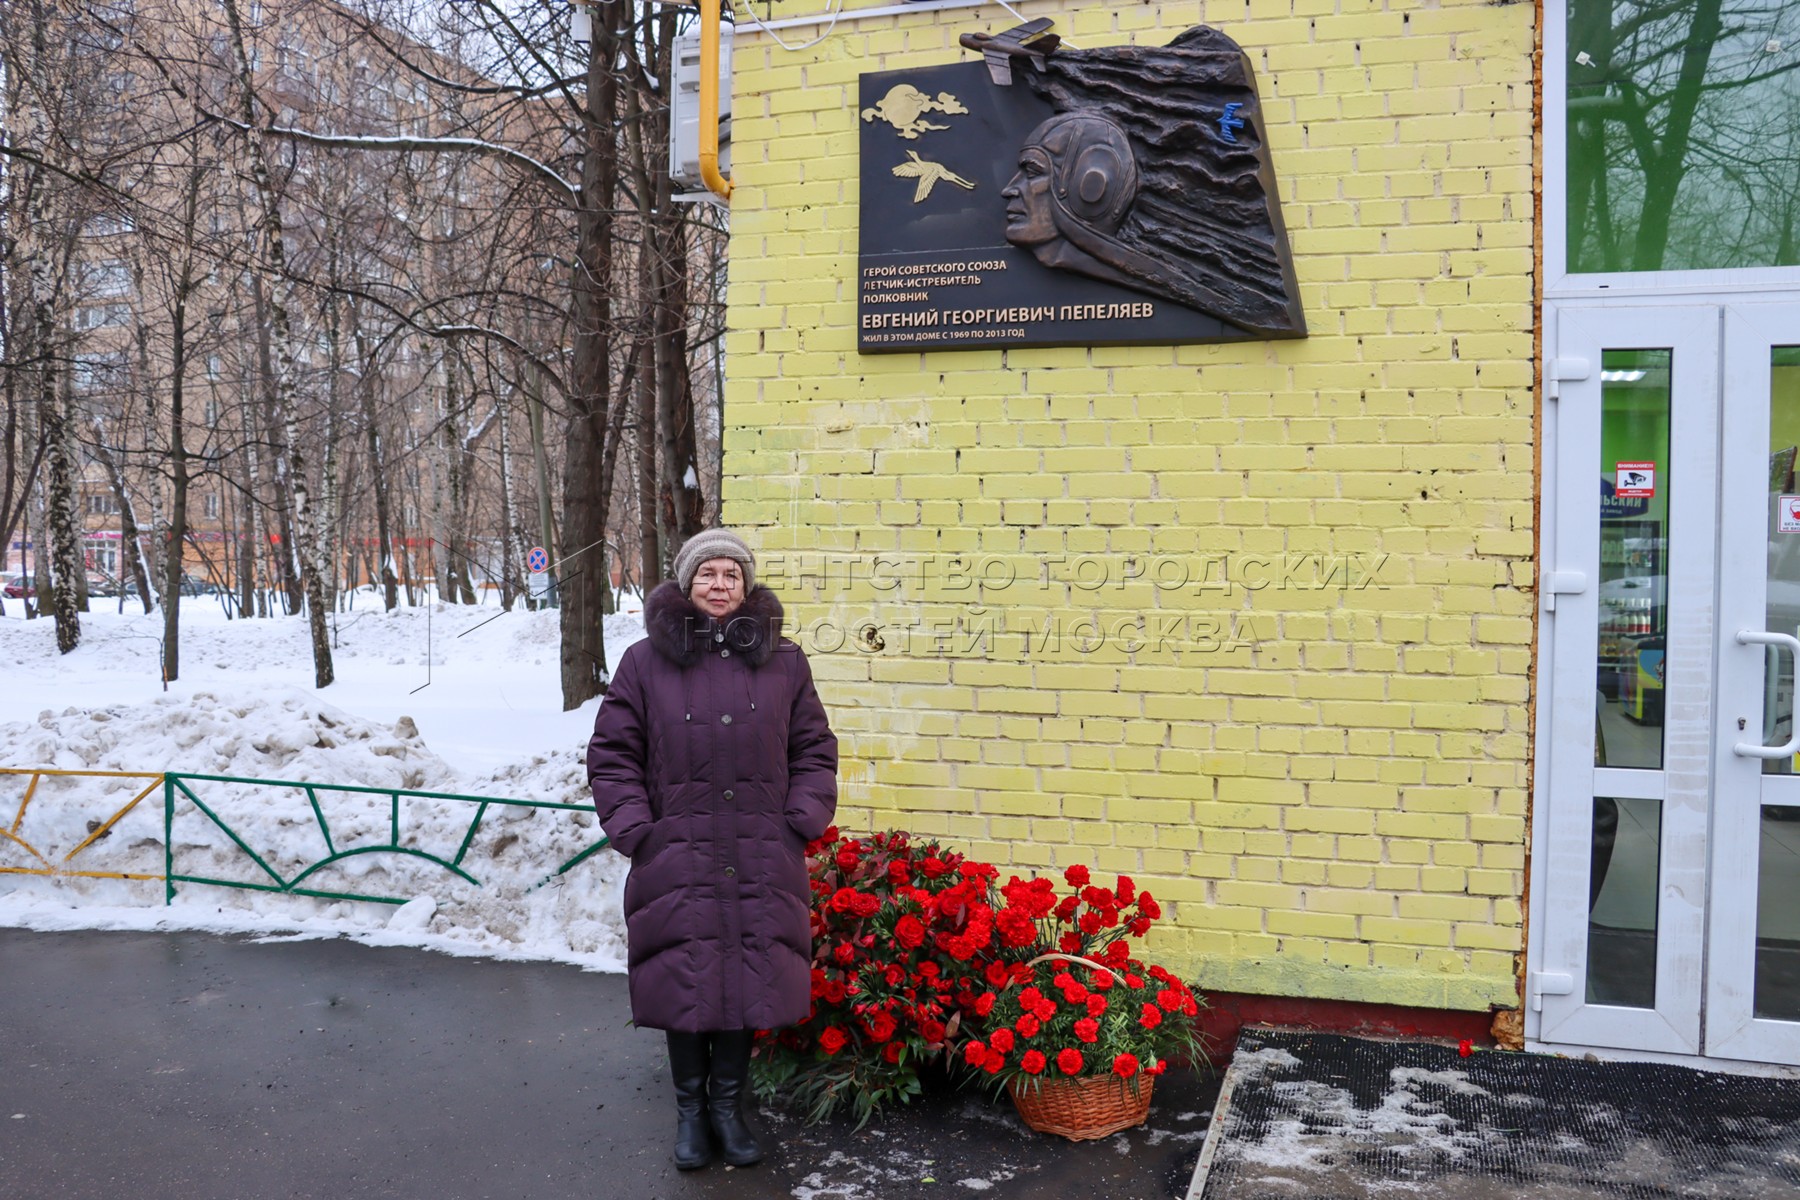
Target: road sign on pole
537 560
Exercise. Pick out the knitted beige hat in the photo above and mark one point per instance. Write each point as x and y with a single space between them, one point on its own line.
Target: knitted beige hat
709 544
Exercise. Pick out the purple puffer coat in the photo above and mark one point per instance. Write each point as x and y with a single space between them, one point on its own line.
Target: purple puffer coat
712 765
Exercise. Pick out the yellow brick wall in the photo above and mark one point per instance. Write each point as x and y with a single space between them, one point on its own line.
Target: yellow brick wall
1324 772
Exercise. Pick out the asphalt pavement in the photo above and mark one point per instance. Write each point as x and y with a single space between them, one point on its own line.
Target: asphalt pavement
208 1068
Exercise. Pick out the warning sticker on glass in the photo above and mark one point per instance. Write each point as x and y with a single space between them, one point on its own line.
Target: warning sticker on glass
1787 514
1634 479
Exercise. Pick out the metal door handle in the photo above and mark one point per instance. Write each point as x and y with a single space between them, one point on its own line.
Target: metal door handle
1783 641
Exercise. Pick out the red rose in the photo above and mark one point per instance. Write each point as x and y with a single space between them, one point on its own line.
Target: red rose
843 900
1069 1062
833 1039
931 1030
892 975
881 1026
1096 1005
1028 1025
1033 1062
1077 876
890 1053
1125 1066
933 866
848 858
1087 1029
1151 1018
975 1053
1001 1040
845 953
1465 1047
867 905
898 872
909 931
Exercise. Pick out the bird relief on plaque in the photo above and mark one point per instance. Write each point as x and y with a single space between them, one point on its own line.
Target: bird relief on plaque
1053 197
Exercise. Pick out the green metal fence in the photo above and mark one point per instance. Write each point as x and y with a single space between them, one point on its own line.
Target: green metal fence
174 782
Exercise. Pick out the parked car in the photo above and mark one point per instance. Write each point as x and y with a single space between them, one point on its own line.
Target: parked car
17 587
191 585
101 584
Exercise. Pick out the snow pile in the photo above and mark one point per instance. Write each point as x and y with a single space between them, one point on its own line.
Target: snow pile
520 908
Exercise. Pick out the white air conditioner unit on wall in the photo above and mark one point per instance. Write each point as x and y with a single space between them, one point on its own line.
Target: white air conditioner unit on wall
684 115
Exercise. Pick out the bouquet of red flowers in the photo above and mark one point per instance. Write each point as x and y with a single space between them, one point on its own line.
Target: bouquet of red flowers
902 930
1082 1005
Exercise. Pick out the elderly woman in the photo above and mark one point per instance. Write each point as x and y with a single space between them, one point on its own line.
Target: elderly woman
712 765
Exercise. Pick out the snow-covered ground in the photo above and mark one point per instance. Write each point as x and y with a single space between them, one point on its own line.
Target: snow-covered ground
441 698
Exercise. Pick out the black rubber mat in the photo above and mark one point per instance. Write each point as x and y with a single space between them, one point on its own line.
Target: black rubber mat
1320 1117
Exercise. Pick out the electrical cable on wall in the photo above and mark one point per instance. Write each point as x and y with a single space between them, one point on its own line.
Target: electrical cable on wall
835 13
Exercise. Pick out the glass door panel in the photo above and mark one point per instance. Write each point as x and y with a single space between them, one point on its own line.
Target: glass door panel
1630 557
1753 981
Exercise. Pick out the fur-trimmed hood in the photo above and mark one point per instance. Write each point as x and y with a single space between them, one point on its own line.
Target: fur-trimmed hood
680 632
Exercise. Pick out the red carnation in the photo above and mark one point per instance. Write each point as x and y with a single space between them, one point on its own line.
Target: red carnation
1077 876
1100 979
984 1004
1096 1005
833 1039
1162 1064
1148 906
994 1063
1028 1025
1125 1066
1001 1040
997 974
1069 943
975 1053
1033 1062
1087 1029
909 931
1151 1018
1465 1047
1126 890
1170 1000
1045 1009
1069 1062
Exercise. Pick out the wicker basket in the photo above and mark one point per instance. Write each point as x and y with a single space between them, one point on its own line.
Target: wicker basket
1082 1109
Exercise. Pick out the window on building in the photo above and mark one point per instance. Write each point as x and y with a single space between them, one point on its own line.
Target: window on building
101 504
212 412
106 277
101 371
102 316
1683 135
211 504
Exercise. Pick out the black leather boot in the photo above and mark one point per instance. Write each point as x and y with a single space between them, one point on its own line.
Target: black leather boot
688 1063
730 1080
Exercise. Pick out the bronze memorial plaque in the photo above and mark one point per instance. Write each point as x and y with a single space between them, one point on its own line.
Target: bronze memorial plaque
1101 197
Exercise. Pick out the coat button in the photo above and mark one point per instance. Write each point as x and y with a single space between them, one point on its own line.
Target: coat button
729 793
724 654
725 720
730 871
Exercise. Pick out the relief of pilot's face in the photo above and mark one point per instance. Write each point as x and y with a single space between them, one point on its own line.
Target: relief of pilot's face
1030 220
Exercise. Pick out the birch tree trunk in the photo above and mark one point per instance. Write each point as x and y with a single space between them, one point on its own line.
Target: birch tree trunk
305 548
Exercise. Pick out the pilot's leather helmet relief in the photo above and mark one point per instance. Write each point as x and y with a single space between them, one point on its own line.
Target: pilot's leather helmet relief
1153 175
